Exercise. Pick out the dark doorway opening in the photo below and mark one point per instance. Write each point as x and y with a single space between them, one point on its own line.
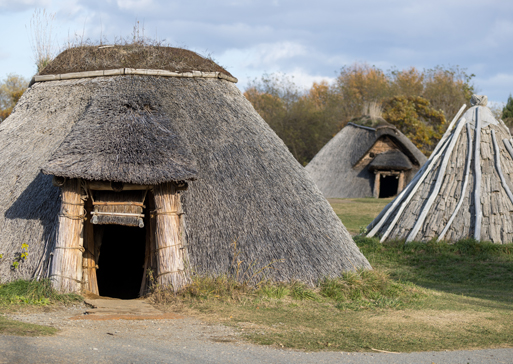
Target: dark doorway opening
121 261
388 186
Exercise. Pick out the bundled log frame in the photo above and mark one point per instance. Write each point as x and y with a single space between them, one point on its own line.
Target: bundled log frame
171 269
66 269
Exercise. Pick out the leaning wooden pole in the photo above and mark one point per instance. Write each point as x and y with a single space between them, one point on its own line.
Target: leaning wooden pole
477 176
66 270
168 236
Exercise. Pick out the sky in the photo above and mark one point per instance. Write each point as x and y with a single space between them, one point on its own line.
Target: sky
307 40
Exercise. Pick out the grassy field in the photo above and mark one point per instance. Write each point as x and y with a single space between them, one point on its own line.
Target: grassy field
357 213
433 296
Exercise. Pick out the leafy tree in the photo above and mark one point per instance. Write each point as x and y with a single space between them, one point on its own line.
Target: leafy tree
417 102
11 89
416 119
507 111
360 84
447 89
304 120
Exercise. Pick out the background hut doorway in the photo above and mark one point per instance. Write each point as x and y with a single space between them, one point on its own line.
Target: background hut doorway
388 183
121 261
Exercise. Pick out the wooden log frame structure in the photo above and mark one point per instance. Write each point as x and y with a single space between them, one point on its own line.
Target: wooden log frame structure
76 252
171 253
438 203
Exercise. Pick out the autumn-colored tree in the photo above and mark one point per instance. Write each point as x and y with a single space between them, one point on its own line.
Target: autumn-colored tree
11 89
416 119
408 82
360 84
447 89
417 102
304 120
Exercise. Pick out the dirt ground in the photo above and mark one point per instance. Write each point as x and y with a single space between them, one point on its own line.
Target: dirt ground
92 336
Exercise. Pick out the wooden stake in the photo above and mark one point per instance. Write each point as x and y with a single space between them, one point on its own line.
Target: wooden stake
400 183
170 250
507 144
464 187
377 181
66 270
438 183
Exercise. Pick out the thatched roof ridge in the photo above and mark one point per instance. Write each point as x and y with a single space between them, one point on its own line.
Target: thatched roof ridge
473 162
333 167
393 159
124 137
138 56
249 188
408 147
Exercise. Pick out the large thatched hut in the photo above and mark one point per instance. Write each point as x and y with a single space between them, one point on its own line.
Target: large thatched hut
463 191
119 160
362 161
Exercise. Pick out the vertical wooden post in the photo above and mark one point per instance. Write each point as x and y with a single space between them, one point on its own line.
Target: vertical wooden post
149 255
400 186
89 263
376 184
170 255
66 270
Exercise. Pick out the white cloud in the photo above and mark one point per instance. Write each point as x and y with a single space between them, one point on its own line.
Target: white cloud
135 5
21 5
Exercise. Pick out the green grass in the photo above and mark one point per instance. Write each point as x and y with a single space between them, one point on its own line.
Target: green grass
39 293
357 213
29 294
11 327
477 269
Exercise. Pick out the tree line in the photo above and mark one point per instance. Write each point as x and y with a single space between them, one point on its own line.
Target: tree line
417 102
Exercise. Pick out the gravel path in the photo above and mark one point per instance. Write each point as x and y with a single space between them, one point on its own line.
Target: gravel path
184 340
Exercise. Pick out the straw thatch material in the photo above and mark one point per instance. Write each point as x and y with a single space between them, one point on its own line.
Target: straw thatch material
471 163
94 58
393 159
249 188
344 167
124 137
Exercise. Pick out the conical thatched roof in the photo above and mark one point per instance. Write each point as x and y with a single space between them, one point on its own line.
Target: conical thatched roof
246 187
473 162
344 167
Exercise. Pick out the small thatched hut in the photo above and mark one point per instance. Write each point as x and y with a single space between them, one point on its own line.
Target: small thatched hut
361 161
463 191
119 160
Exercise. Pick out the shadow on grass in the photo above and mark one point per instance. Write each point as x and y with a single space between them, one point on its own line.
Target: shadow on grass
476 269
